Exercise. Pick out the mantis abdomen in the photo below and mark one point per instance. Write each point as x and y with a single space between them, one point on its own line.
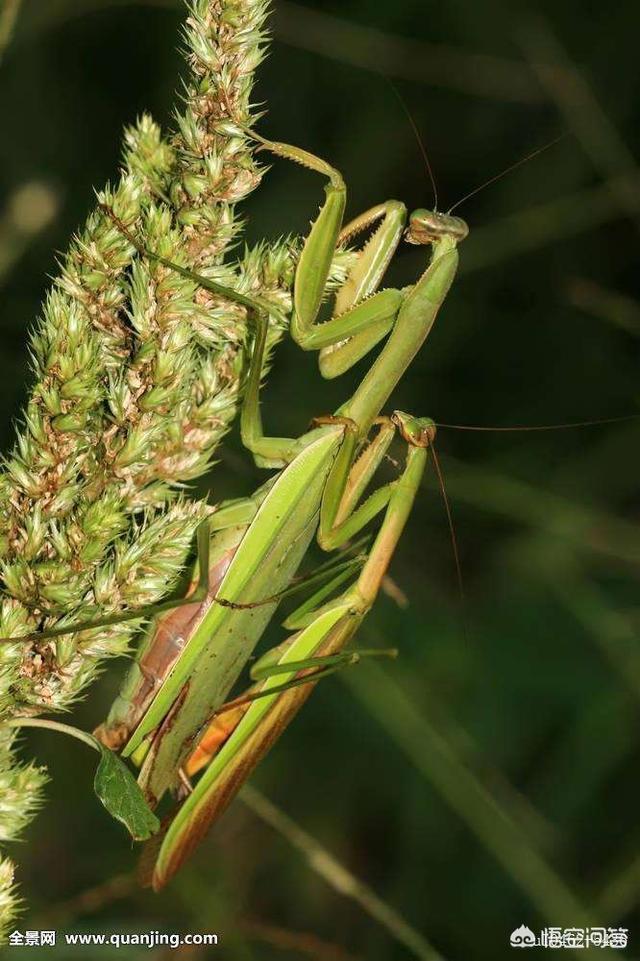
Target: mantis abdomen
166 641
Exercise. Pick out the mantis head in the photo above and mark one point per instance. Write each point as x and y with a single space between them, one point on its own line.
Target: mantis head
429 226
417 431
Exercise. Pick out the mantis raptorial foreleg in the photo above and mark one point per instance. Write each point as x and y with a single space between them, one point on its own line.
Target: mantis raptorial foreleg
362 314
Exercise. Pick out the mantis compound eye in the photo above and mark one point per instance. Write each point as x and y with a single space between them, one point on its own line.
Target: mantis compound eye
427 226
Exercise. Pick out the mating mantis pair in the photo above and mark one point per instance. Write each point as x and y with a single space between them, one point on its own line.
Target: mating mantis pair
249 551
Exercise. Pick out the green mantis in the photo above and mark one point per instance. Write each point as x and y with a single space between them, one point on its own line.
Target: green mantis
319 492
250 550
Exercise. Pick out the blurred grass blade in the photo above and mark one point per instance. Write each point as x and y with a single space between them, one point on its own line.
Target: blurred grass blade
567 86
622 892
608 628
495 830
604 303
337 876
586 756
442 65
9 10
579 526
545 224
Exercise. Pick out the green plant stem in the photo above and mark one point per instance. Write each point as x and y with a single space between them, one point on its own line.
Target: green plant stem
55 726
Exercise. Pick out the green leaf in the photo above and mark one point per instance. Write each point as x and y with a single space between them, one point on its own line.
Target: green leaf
119 792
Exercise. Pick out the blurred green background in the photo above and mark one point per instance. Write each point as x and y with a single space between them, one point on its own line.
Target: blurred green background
489 777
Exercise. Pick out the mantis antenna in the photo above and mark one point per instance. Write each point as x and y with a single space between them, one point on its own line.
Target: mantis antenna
419 140
480 187
452 532
509 169
541 427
